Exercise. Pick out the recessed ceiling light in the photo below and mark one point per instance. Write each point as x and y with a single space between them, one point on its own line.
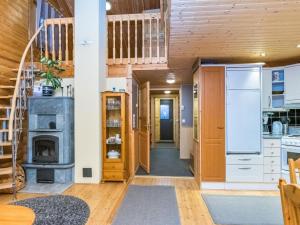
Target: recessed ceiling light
298 45
262 54
167 92
170 78
108 6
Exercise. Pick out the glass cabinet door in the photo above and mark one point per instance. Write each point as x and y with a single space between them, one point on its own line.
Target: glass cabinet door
113 128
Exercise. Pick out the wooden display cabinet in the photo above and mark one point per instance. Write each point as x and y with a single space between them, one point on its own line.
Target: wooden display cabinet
115 133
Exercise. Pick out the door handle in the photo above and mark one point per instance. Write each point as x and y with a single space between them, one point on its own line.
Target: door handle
220 128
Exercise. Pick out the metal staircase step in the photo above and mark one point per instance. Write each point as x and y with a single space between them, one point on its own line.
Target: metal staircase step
14 79
5 107
6 171
7 87
6 130
6 156
6 143
27 70
6 97
6 185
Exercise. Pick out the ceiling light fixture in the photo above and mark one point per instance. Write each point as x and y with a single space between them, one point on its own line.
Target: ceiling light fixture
170 78
108 6
298 45
167 92
262 54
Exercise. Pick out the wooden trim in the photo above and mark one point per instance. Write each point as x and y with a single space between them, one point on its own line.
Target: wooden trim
133 17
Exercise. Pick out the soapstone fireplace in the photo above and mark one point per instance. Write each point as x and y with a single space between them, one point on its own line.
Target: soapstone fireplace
50 153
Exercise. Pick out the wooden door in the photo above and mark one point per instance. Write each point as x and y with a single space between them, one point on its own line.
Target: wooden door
213 124
144 139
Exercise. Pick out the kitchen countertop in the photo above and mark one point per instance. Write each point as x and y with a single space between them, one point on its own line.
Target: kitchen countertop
271 136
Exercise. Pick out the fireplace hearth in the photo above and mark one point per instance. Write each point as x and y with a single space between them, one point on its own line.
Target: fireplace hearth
50 154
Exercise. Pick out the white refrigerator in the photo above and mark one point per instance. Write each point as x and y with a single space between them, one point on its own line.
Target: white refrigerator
243 110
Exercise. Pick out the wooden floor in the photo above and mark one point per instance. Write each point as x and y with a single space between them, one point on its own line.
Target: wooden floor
104 199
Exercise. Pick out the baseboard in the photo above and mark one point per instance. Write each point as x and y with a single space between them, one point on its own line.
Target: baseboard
239 186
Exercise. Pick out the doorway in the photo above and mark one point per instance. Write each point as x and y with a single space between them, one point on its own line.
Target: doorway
165 154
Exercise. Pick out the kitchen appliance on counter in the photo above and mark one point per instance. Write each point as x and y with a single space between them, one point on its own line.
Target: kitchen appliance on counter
290 147
266 124
277 128
285 124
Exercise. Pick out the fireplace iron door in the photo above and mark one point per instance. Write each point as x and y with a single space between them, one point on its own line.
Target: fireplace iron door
45 149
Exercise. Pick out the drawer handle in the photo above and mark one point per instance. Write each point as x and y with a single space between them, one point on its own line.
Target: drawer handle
244 159
245 168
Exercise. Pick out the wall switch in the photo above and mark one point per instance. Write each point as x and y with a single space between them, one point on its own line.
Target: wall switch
182 107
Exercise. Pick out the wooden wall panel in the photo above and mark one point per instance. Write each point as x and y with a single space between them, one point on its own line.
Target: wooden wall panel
14 29
14 35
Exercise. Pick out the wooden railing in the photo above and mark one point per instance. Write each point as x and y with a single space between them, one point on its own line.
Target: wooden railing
55 44
58 39
136 39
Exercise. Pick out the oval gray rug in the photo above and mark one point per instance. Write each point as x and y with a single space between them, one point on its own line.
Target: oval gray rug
57 210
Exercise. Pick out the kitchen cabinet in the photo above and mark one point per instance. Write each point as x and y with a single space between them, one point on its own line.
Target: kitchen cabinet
244 168
272 169
267 89
292 81
212 127
273 89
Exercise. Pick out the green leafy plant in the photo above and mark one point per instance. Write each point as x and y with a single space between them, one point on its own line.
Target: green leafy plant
53 68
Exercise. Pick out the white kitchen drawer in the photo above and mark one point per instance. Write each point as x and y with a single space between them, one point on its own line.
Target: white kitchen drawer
272 169
271 160
270 143
272 151
244 173
272 178
244 159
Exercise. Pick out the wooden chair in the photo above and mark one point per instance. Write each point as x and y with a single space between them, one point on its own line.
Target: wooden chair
293 165
290 202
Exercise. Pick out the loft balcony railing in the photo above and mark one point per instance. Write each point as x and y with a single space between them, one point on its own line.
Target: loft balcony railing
131 39
136 39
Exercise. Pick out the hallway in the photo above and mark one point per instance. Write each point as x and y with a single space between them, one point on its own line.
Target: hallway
165 161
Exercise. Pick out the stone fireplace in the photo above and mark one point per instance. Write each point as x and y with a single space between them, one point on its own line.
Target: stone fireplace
50 155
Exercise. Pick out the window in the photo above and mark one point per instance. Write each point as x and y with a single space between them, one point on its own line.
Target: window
164 112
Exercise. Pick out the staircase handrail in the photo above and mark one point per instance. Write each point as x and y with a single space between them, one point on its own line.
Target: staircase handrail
17 86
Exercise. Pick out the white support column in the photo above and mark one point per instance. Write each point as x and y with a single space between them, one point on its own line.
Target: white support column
90 73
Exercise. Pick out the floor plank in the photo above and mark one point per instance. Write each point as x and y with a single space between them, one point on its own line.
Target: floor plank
104 199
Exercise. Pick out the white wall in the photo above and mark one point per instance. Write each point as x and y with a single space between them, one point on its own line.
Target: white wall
90 73
186 121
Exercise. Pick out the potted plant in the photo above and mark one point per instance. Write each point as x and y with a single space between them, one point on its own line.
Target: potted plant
50 75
